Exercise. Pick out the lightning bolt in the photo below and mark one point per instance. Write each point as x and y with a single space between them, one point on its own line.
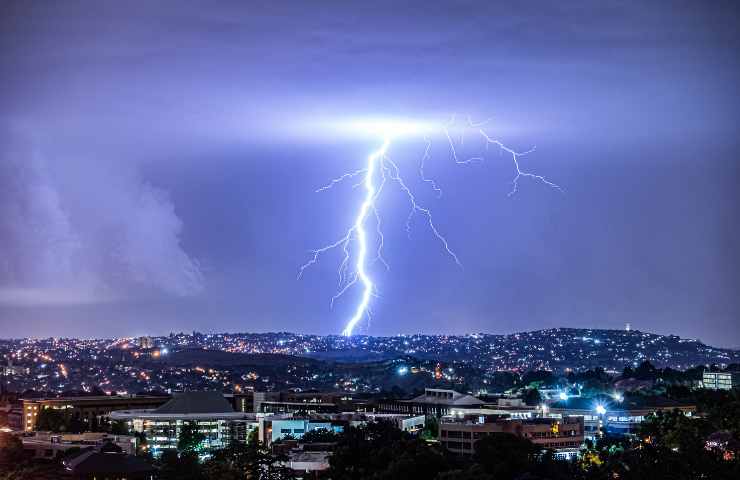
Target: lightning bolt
379 169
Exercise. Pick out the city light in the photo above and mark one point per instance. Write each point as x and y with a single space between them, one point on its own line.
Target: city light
600 409
563 396
403 370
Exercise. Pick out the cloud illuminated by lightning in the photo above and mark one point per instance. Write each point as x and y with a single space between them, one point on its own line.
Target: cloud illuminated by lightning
378 170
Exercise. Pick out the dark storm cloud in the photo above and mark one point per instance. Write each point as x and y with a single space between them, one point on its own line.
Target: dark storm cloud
158 161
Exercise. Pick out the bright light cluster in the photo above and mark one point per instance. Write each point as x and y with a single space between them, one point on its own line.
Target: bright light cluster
379 168
377 127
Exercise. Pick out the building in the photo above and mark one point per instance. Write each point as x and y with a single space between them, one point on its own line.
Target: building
279 427
721 380
11 370
48 445
563 435
307 462
241 401
209 412
615 414
146 342
434 401
87 408
299 402
92 465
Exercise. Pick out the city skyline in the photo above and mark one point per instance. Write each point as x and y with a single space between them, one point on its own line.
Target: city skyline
158 167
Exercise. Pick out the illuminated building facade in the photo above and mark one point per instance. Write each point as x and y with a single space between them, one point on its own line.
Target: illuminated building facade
279 427
209 412
619 415
721 380
86 409
434 401
563 435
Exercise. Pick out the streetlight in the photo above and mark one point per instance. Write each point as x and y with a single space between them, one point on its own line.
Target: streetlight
601 411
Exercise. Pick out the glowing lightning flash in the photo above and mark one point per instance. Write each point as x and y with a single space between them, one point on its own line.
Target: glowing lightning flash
379 164
359 228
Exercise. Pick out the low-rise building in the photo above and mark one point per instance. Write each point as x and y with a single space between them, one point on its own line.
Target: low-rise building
48 444
721 380
307 462
93 465
563 435
278 427
434 401
208 412
615 414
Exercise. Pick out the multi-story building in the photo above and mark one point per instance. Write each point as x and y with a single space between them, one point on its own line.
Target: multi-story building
86 408
434 401
242 401
721 380
209 412
615 414
563 435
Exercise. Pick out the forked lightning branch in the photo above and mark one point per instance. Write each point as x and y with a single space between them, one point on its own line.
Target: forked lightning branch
380 170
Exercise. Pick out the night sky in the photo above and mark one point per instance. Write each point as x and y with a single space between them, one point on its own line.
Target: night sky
158 162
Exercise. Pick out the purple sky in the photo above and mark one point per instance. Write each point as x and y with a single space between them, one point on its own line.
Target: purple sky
158 163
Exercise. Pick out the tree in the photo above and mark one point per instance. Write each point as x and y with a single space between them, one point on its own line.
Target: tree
540 378
431 428
473 473
11 450
501 381
184 466
505 455
532 396
320 435
52 420
119 427
252 460
382 451
646 371
190 438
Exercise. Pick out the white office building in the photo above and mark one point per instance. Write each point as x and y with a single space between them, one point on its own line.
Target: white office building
208 411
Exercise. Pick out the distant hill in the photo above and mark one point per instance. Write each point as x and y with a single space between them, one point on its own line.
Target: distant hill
353 355
219 358
555 348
